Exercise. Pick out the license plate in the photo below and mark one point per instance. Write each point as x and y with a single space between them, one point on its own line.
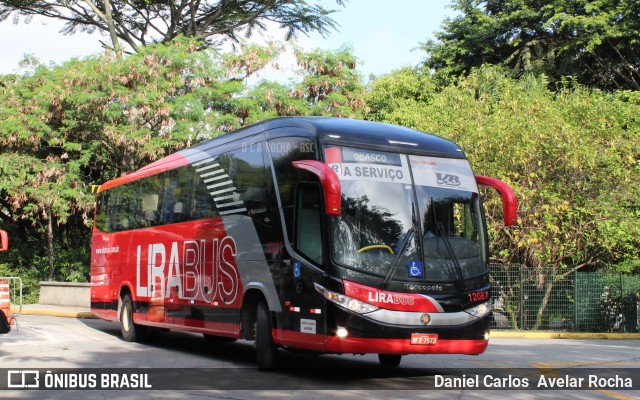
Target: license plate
429 339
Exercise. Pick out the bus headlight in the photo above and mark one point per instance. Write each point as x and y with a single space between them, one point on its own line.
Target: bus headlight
346 302
480 310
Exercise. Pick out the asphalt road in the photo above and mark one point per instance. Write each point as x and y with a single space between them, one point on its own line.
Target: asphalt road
227 370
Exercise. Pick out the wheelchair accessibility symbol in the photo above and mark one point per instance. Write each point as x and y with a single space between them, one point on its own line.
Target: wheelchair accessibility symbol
297 272
415 269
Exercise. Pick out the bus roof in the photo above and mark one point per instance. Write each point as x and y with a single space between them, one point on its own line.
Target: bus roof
348 132
327 130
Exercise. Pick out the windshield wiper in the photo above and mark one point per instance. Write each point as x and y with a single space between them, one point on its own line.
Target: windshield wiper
406 241
447 244
396 261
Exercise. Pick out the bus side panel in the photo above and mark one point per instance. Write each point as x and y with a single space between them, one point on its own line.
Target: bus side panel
192 275
185 271
188 276
104 254
192 280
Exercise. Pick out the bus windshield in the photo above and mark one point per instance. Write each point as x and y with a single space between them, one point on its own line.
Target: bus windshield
407 217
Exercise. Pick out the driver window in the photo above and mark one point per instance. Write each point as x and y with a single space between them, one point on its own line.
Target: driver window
308 230
283 152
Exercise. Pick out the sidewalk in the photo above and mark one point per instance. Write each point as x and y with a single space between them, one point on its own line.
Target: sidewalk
562 335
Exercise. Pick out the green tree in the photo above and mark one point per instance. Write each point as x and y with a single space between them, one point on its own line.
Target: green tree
43 190
331 83
570 157
141 22
402 97
328 83
594 41
65 128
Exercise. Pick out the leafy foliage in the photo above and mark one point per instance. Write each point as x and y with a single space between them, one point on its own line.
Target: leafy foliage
570 156
594 41
69 127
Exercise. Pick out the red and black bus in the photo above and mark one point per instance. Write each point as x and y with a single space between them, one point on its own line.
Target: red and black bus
324 234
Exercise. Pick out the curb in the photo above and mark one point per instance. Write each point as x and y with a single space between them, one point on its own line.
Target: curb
59 313
563 335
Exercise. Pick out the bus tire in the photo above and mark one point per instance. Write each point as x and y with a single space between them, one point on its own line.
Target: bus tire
267 353
389 360
131 332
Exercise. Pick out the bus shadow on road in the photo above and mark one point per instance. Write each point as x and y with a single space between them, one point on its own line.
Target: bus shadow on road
297 370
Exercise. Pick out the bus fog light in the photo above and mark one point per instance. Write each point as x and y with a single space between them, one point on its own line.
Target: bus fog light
486 335
342 332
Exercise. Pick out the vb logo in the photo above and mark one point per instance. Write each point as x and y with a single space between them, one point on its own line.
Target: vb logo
447 179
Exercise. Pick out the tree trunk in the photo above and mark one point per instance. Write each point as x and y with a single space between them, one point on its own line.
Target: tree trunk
513 317
50 241
112 29
107 17
543 305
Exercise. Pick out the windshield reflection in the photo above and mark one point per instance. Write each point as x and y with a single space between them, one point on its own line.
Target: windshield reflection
375 217
446 242
453 240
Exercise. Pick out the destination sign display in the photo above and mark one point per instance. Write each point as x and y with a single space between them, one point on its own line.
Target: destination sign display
368 165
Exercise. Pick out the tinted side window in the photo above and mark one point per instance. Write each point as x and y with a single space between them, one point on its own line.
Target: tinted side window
149 193
120 205
174 196
283 152
247 171
308 226
179 187
101 211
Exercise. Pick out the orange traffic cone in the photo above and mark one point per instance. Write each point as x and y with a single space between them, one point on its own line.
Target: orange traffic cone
5 301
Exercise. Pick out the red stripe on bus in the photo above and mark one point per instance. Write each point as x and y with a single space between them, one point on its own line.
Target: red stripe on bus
192 325
391 300
300 340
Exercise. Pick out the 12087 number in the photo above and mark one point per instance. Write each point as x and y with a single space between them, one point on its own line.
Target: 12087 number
479 296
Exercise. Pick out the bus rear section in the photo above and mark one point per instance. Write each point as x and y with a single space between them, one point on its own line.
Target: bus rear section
317 234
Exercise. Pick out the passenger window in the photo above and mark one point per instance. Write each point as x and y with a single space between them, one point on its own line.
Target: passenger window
242 189
150 201
248 173
101 213
178 185
120 205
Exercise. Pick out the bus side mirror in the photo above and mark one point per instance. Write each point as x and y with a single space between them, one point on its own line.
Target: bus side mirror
509 201
329 181
4 241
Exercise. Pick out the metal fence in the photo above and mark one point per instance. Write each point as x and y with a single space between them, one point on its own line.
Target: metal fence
531 299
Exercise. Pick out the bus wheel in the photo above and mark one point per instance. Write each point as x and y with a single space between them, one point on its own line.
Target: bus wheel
265 349
131 332
389 360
